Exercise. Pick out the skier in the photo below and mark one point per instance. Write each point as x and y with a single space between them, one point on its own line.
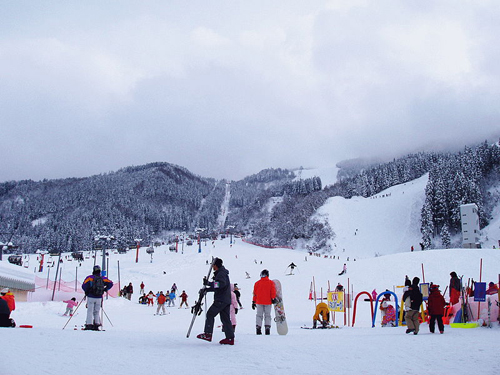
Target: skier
413 300
436 305
247 275
161 303
454 288
184 297
172 298
292 267
141 292
151 298
222 304
264 295
94 287
322 315
344 269
71 304
174 288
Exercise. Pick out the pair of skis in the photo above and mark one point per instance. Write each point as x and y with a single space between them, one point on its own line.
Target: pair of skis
197 308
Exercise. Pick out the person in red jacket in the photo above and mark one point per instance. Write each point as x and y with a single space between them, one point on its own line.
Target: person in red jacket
436 305
264 295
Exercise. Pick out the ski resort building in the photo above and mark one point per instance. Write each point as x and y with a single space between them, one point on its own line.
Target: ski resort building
17 279
469 216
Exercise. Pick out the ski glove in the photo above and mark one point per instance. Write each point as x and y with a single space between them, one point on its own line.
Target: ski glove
253 305
274 301
205 281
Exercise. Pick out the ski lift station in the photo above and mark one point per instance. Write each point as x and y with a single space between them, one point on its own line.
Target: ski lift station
469 216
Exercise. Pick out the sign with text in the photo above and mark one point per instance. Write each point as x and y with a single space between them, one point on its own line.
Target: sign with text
336 301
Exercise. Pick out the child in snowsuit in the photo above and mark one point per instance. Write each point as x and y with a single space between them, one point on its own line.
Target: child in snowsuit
234 307
71 304
436 305
151 298
184 297
388 312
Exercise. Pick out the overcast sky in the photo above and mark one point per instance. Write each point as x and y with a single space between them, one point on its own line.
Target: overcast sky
227 88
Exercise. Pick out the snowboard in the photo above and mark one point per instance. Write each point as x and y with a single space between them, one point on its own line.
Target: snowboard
327 327
279 310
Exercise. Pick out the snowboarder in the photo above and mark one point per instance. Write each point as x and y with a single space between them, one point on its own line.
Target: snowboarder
264 295
161 303
94 287
184 297
454 288
71 304
322 315
436 305
222 303
412 300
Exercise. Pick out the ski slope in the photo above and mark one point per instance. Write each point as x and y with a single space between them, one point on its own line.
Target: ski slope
138 341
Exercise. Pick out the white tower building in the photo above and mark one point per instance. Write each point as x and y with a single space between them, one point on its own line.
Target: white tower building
469 216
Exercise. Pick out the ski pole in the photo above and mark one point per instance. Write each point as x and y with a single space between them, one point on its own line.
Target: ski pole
71 317
109 320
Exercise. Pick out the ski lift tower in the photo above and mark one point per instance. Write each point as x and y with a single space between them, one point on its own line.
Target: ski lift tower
230 229
199 230
469 216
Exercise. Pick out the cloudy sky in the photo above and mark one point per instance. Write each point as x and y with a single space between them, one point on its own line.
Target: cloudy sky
227 88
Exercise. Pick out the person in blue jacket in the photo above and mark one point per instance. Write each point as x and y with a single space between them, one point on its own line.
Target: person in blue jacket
94 287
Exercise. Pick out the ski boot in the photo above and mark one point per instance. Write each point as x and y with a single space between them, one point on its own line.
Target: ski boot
89 327
205 336
227 341
268 330
259 330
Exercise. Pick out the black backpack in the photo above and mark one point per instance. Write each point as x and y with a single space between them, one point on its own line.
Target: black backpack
98 287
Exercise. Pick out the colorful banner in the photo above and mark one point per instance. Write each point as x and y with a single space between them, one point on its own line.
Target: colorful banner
336 301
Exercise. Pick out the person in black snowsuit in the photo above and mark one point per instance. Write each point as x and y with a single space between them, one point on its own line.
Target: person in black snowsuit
237 294
5 320
221 286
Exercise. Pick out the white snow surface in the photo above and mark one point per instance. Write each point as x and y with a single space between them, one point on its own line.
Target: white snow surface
138 342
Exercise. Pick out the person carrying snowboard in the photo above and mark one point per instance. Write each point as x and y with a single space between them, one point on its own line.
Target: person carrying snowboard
264 295
94 287
322 315
221 286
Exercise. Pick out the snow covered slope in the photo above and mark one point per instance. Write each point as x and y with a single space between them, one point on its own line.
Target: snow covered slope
138 342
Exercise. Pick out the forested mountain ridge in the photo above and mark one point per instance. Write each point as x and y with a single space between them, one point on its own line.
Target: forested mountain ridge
273 207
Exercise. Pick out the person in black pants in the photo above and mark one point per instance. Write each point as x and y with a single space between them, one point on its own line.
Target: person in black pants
238 294
436 305
221 286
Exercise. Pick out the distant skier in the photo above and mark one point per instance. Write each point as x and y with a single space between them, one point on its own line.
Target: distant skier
221 306
292 267
184 298
344 270
264 295
141 292
247 275
172 298
161 304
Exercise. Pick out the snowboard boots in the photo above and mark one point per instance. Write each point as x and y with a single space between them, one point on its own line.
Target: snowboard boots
227 341
205 336
267 330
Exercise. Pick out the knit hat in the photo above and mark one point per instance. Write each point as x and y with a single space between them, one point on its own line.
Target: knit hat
4 291
218 262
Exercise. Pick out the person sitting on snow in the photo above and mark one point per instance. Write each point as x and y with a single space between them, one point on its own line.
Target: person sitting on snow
322 315
388 312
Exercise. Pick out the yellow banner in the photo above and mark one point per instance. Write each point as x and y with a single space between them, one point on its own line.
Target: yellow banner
336 301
